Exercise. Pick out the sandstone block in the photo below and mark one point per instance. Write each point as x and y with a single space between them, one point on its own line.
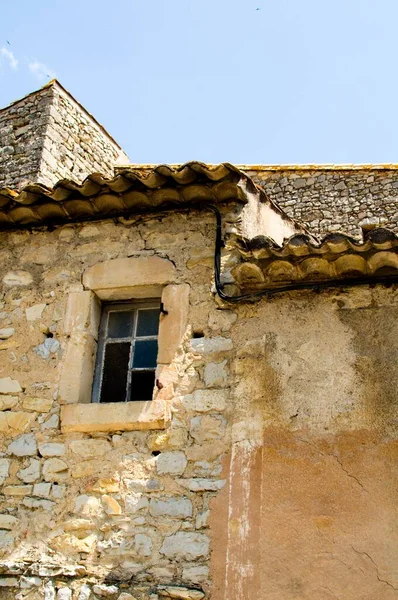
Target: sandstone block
178 508
49 449
121 278
168 440
17 278
15 422
17 490
24 445
37 404
31 473
202 519
172 463
206 400
7 402
9 386
90 448
83 313
33 313
78 368
8 522
55 469
173 326
111 506
186 546
78 525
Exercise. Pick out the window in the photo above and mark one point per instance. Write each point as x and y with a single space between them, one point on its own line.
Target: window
127 352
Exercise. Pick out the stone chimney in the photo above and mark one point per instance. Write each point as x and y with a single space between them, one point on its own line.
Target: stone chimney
48 136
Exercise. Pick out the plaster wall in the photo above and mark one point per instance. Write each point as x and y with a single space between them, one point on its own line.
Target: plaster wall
275 475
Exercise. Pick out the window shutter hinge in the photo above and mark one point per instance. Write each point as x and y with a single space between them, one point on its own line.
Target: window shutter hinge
163 310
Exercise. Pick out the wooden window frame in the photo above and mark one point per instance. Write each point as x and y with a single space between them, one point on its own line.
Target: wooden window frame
103 340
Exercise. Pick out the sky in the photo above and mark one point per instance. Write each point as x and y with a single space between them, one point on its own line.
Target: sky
241 81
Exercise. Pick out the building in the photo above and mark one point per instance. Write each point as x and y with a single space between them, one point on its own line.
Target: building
197 390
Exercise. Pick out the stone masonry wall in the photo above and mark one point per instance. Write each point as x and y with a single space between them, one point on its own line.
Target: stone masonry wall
48 136
22 129
107 514
334 200
275 477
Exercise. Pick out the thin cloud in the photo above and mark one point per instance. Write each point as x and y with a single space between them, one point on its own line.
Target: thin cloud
9 57
41 71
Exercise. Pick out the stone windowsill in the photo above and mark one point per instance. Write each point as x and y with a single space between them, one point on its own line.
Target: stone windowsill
121 416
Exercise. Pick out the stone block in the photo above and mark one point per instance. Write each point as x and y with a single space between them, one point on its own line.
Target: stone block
215 375
4 469
202 485
42 490
24 445
105 591
9 386
7 402
143 544
31 473
6 539
195 574
111 506
186 546
15 422
49 449
17 490
171 463
33 313
36 503
129 416
126 278
179 592
205 400
78 369
173 326
37 404
90 448
83 313
17 278
207 346
55 470
8 522
6 332
207 427
178 507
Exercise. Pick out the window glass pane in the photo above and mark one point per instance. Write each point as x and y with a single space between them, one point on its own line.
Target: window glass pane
114 377
145 354
142 383
120 324
148 321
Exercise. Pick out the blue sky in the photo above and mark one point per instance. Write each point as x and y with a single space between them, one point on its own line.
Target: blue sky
311 81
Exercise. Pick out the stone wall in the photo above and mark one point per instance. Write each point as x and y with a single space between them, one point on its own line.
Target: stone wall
48 136
330 200
274 477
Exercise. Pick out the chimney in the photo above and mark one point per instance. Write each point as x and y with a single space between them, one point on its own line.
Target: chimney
48 136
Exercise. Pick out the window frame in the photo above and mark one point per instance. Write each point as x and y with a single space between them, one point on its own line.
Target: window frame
103 340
